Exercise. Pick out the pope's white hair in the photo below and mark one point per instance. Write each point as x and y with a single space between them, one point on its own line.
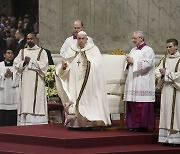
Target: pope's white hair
82 32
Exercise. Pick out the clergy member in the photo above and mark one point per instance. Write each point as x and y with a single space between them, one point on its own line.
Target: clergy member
77 27
168 71
140 85
32 64
8 91
81 85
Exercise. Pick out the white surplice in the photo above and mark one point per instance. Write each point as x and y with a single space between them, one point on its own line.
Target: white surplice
69 42
82 87
140 81
169 126
8 89
33 104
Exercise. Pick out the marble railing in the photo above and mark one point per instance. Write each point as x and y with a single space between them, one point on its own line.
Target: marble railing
57 58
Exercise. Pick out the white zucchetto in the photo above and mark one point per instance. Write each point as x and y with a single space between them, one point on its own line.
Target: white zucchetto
82 32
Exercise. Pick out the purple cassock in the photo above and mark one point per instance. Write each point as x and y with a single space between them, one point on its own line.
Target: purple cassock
140 115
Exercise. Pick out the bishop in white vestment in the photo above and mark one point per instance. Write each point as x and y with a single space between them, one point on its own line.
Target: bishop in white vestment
168 71
81 85
32 64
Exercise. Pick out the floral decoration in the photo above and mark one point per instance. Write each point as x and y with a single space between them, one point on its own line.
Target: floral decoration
50 84
117 52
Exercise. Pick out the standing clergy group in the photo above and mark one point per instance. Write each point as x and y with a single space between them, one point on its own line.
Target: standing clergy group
81 85
76 84
22 86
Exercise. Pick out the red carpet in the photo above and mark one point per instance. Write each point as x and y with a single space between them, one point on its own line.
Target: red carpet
55 138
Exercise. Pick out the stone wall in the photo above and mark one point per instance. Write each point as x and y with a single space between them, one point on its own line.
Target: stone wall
110 22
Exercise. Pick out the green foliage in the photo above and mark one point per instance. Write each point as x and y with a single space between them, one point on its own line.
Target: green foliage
50 84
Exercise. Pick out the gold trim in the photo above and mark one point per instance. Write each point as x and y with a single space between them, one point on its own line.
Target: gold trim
36 82
174 99
84 82
80 49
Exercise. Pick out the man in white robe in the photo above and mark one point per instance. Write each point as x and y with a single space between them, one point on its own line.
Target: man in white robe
140 85
77 27
32 64
81 85
168 71
8 91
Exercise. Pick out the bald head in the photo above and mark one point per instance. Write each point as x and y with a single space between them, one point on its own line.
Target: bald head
78 22
77 27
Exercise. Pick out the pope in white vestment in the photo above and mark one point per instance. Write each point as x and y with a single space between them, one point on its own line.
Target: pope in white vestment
168 71
81 85
32 64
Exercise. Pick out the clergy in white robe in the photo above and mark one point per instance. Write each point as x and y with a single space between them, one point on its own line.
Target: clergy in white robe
32 64
168 71
81 85
9 84
140 85
72 40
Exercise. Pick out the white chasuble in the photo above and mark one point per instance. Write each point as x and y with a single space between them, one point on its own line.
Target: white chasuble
8 89
82 88
33 104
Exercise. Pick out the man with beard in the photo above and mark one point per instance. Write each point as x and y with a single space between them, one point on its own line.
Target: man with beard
32 64
77 27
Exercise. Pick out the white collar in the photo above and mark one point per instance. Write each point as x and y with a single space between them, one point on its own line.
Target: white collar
20 40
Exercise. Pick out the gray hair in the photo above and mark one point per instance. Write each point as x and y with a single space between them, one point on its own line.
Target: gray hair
141 33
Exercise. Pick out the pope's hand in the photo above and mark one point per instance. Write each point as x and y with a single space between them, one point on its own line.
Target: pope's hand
64 65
